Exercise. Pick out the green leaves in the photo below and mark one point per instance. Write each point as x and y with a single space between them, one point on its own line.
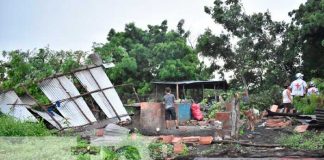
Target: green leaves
142 56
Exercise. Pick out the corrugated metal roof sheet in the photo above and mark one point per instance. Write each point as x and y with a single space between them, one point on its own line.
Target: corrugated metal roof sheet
57 117
18 111
27 100
69 109
103 81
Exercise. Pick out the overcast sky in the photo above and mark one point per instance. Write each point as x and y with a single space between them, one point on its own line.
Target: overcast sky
76 24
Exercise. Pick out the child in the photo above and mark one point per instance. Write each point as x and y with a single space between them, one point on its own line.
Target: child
170 113
286 98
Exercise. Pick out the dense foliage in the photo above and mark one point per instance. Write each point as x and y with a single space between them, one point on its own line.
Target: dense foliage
260 57
155 54
266 52
309 38
26 67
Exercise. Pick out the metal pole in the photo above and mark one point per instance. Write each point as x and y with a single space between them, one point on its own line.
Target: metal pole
27 92
215 92
112 107
177 88
73 99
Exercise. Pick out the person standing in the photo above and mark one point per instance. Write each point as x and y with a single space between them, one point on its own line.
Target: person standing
312 89
287 98
170 113
298 86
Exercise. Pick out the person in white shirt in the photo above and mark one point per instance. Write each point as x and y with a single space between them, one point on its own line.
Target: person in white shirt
298 86
312 89
287 98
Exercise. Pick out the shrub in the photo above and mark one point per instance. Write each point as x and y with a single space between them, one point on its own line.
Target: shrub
308 104
160 150
308 141
12 127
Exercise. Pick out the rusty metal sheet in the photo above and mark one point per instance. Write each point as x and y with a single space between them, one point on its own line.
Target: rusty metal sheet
108 100
60 88
20 112
152 116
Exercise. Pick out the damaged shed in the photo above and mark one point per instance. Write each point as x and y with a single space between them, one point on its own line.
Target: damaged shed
182 88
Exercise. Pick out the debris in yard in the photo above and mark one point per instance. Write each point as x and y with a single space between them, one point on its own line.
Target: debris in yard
277 123
301 128
274 108
226 137
115 130
218 138
224 118
205 140
262 125
166 139
20 112
191 139
100 132
176 140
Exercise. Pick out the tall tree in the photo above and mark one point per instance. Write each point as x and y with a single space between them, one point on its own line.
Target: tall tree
309 38
257 56
155 54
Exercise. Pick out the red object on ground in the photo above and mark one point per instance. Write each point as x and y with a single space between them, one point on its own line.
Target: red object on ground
196 113
100 132
205 140
178 148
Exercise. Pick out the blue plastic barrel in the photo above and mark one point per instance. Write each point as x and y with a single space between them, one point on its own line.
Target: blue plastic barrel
184 112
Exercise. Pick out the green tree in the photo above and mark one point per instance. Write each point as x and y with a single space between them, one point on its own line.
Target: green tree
309 37
258 57
155 54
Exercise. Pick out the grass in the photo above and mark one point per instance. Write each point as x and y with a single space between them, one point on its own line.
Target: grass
12 127
37 148
305 141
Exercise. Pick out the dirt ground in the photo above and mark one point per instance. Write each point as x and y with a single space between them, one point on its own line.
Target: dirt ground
261 135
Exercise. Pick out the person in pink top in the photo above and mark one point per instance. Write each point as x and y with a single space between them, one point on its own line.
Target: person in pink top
312 89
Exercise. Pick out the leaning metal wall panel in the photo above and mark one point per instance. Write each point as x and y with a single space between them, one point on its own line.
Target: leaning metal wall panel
53 89
89 82
18 111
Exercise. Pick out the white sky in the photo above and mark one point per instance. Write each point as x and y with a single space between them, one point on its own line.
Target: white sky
76 24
